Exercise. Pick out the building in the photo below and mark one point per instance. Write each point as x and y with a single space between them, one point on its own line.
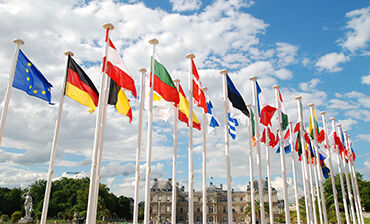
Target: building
161 195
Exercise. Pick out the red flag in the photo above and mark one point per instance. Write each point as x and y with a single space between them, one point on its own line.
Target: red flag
297 127
198 93
266 114
116 68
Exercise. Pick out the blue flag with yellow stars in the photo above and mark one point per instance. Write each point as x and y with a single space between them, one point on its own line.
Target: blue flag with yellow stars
29 79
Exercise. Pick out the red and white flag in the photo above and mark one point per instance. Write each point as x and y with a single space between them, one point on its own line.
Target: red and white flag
198 93
116 69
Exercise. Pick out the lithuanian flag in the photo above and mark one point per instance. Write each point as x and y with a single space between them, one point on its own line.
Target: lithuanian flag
79 87
118 98
184 110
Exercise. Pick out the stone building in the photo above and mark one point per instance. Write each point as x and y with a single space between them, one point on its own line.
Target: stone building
161 195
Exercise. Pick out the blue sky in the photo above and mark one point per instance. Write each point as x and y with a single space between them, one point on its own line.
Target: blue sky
316 49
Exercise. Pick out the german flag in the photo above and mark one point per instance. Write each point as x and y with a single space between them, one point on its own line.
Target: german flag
79 87
118 98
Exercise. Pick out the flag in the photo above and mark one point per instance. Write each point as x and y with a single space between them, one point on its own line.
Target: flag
184 110
29 79
211 118
324 168
118 98
254 137
198 93
265 111
284 116
161 108
163 84
271 141
235 97
233 123
352 152
79 87
286 144
116 69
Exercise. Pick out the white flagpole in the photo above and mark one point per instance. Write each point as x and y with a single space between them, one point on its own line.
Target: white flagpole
339 128
149 139
344 196
54 146
18 43
351 175
227 149
102 106
174 159
269 193
312 186
190 144
138 149
319 186
309 206
260 186
282 157
332 175
357 190
294 172
204 197
315 176
251 174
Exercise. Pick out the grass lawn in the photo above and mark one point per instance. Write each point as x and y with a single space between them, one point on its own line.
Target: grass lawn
367 220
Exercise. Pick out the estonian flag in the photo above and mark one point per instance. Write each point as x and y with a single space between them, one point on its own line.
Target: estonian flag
29 79
235 97
79 87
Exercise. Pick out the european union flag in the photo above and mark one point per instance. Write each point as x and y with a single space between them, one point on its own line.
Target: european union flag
29 79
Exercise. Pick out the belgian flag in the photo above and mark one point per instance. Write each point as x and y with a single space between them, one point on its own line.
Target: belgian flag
118 98
79 87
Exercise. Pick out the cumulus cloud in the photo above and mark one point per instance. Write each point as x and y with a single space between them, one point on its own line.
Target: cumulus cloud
185 5
365 79
365 137
330 62
309 86
358 34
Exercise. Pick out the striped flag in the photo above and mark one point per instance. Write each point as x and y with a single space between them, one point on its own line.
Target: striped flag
265 111
184 110
233 123
213 123
198 93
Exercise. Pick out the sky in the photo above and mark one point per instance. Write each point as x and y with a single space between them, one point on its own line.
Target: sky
317 50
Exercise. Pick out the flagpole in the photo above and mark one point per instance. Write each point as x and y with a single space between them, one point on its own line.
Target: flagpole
174 159
269 193
315 175
54 146
351 175
251 174
18 43
138 149
340 176
227 149
149 138
190 147
294 172
356 185
310 171
282 157
97 138
260 186
204 197
322 210
309 206
332 175
339 130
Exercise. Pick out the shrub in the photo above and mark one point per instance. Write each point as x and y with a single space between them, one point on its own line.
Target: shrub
16 216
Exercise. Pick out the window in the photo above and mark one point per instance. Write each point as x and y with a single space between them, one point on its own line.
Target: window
233 199
210 209
168 208
224 210
241 198
211 219
181 210
181 219
198 218
159 198
241 208
168 198
198 209
224 219
198 198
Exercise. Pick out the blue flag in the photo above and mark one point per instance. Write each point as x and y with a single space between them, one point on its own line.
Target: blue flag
29 79
212 120
235 97
324 168
233 123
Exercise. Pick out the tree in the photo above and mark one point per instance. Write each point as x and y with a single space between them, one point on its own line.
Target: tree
248 210
16 216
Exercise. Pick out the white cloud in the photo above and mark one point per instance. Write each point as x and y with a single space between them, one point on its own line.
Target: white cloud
365 79
330 62
365 137
347 124
286 53
284 74
358 25
309 86
185 5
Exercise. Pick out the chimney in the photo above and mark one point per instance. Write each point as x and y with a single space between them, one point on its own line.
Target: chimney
182 188
221 186
210 183
155 180
170 180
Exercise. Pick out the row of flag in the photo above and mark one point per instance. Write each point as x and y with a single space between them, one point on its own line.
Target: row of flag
167 98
